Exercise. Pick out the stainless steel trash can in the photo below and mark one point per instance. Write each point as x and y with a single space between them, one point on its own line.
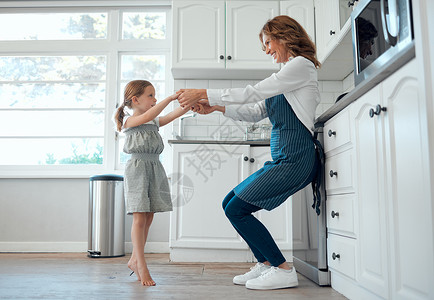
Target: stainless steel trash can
106 216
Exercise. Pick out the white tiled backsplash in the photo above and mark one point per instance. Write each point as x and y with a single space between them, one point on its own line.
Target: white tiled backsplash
216 126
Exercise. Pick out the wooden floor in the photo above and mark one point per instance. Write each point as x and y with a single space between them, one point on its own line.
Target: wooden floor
75 276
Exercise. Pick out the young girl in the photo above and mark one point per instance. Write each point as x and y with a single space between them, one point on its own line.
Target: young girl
145 181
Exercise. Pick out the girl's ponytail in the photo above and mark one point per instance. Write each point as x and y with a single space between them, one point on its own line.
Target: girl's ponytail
119 116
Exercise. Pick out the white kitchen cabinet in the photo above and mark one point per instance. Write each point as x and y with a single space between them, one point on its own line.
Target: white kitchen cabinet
212 37
392 226
339 170
410 224
327 26
394 238
372 237
203 175
303 12
198 34
332 23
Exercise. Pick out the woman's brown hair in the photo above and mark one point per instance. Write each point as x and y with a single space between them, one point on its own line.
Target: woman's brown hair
133 88
292 35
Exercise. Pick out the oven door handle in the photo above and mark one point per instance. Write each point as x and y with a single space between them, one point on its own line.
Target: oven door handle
390 38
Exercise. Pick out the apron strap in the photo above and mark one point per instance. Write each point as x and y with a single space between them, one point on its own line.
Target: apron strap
316 182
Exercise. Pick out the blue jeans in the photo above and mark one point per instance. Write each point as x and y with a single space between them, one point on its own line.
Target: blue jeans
252 230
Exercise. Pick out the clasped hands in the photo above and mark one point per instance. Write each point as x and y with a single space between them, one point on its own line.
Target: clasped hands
196 100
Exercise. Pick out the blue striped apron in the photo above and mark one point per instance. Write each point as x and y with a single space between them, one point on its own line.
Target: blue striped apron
294 163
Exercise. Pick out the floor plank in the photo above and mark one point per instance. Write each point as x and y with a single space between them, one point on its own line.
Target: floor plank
76 276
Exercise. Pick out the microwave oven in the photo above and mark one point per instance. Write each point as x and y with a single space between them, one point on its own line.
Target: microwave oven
383 39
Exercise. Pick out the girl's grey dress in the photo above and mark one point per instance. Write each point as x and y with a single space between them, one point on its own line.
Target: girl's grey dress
145 181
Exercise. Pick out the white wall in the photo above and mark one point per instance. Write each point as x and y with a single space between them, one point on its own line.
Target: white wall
52 214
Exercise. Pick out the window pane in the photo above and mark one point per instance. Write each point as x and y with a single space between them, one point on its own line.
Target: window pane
148 67
51 151
50 68
142 25
123 157
52 95
52 123
53 26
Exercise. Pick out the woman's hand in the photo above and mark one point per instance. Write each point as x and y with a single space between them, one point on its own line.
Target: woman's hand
202 107
188 97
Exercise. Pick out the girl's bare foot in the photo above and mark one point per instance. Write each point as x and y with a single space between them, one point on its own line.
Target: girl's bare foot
132 264
146 278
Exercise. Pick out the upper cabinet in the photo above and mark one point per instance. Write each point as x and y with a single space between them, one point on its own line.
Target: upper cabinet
333 38
303 12
332 17
219 39
199 34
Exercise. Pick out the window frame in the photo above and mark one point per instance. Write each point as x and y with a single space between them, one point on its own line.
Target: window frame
113 47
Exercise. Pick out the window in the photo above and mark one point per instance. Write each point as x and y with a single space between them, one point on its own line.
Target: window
62 77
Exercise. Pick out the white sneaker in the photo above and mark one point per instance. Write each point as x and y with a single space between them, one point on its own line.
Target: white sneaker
254 272
274 278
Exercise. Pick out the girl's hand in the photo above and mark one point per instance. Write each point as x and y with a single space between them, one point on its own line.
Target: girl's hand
174 96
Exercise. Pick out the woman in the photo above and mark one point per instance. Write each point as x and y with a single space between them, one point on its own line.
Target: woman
291 97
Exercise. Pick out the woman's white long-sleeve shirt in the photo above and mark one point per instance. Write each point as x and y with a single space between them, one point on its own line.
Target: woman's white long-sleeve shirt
297 81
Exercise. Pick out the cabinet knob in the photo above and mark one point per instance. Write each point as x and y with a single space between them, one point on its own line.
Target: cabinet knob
229 57
351 2
335 214
252 160
330 133
334 256
332 32
246 158
377 111
333 173
222 57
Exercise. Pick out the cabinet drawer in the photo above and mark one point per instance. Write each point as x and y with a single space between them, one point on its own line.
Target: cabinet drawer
337 131
339 173
341 254
340 213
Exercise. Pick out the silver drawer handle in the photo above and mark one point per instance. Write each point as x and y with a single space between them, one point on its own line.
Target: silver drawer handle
334 256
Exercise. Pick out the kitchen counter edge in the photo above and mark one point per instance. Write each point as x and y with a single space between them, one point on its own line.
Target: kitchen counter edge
254 143
364 87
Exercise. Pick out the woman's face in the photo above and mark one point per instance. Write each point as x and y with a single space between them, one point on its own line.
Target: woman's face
276 49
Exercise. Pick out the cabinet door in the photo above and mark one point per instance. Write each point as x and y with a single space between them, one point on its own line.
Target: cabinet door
303 12
410 219
327 26
198 34
279 220
372 239
203 175
244 20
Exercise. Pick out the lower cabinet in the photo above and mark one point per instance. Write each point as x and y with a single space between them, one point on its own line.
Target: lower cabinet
393 206
203 174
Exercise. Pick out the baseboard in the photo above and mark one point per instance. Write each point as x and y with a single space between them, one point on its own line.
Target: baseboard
151 247
43 246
